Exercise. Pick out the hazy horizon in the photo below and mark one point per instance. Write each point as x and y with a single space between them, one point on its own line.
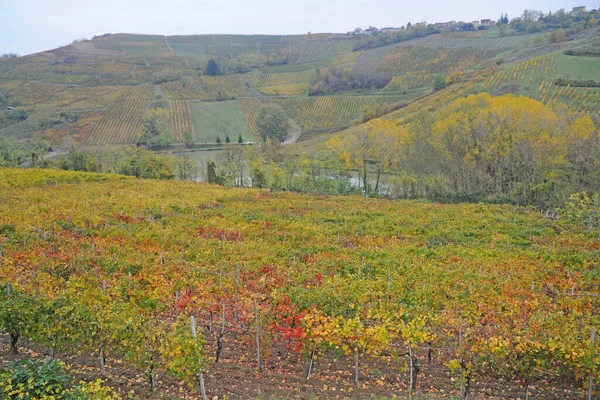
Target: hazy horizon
34 26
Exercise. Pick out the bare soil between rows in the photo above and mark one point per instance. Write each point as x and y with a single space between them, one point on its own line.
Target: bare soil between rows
236 376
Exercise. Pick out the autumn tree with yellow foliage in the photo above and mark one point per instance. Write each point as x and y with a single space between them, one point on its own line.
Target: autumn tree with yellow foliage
155 131
504 148
512 146
373 146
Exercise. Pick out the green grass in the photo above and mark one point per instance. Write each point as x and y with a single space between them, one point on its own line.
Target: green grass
495 32
218 119
578 68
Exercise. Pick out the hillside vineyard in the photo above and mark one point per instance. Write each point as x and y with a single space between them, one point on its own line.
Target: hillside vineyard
119 76
484 291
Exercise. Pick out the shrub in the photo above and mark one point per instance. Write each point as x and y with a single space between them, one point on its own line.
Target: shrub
33 380
439 83
576 83
18 114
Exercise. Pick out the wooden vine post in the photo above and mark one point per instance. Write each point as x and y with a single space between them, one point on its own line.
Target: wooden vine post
591 383
463 392
258 360
200 374
414 370
101 354
389 284
221 334
356 368
235 292
312 361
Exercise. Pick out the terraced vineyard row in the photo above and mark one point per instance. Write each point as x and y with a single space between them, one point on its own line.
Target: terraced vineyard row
188 49
84 59
347 60
262 80
9 65
152 73
31 94
535 70
407 59
41 58
431 102
508 42
79 96
180 122
121 123
186 89
102 96
140 45
126 71
226 86
250 108
367 62
79 131
9 86
94 69
317 113
578 100
205 88
67 79
542 71
225 45
284 90
326 112
409 81
140 92
539 74
28 71
317 50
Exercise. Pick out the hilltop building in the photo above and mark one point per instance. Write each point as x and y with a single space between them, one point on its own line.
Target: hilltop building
488 23
389 29
578 10
369 31
444 26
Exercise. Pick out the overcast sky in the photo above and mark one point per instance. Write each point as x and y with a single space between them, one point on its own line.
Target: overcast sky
29 26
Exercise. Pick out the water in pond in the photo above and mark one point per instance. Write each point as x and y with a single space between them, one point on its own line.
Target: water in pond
202 157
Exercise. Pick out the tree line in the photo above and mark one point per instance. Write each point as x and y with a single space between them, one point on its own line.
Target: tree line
334 80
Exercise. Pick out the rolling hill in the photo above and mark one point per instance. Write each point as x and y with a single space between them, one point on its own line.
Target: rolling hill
111 80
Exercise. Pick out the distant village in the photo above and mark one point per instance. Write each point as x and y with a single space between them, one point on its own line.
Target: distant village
454 25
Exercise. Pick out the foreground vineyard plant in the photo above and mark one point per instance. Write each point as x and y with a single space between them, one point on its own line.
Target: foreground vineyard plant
386 291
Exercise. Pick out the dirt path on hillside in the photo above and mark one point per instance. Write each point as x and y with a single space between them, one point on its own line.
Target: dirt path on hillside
169 46
295 135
